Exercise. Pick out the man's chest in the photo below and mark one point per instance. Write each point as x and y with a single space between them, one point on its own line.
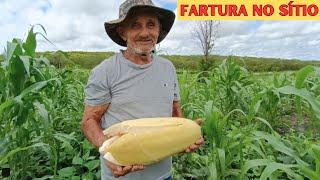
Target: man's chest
145 86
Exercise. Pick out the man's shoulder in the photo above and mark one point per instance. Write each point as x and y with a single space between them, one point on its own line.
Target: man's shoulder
106 65
164 61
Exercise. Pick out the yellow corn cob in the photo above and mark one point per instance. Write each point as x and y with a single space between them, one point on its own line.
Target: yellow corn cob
149 140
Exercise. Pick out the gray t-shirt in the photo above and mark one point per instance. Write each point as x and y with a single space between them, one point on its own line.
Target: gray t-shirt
134 91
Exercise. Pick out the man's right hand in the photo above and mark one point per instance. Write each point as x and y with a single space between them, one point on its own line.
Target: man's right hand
122 170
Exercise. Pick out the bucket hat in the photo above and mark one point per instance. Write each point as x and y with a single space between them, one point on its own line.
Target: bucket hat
128 8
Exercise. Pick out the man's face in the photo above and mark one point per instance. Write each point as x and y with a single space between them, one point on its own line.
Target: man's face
141 33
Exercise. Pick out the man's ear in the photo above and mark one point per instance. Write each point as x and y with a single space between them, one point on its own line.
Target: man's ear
120 31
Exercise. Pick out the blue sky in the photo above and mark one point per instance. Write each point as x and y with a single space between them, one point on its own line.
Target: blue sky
171 6
78 25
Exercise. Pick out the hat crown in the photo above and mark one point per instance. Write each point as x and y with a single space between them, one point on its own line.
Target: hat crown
125 6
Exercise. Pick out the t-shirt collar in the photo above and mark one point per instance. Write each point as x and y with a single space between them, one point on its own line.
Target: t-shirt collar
134 65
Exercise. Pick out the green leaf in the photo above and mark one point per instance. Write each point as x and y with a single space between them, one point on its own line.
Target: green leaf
30 45
213 175
33 88
254 163
273 166
26 63
222 159
255 105
305 94
66 141
302 74
265 122
46 177
19 50
88 176
22 115
75 178
4 159
67 172
91 165
312 175
278 145
17 74
258 150
43 113
316 150
66 136
86 145
8 53
4 144
316 154
44 60
8 103
77 160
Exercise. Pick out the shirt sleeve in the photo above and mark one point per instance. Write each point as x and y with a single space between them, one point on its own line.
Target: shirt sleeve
176 92
97 91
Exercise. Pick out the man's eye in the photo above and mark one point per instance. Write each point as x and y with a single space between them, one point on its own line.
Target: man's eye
134 25
151 24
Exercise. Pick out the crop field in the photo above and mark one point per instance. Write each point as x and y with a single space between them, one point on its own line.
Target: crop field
256 126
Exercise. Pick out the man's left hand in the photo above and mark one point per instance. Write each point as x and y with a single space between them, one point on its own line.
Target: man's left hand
198 143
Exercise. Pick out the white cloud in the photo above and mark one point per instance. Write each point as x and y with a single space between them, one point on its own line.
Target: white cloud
78 25
168 1
70 25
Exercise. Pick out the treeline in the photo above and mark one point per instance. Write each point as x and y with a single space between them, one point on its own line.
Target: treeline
251 63
88 60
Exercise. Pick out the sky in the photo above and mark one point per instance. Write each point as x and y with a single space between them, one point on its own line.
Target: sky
77 25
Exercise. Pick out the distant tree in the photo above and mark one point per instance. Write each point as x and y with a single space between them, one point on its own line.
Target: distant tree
59 59
205 33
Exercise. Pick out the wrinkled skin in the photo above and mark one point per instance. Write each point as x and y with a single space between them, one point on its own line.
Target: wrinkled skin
141 33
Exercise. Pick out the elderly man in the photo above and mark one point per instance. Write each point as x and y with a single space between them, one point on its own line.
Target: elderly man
134 83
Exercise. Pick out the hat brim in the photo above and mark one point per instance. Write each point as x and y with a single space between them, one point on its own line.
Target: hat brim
166 20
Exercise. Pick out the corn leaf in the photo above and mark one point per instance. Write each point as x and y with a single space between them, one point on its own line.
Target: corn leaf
26 63
254 163
302 74
305 94
273 166
30 45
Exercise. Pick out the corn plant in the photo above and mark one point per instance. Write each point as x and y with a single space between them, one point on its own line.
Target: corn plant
39 117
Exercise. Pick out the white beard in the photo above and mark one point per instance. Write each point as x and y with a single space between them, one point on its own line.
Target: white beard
139 51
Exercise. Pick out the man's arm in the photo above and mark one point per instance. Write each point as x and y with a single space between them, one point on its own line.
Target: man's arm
94 133
176 109
91 124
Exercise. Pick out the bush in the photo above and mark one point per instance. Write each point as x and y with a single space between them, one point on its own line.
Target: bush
59 59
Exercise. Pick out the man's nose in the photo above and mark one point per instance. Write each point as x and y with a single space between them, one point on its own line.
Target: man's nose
144 31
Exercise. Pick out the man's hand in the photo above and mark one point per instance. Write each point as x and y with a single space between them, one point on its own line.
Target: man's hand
198 143
122 170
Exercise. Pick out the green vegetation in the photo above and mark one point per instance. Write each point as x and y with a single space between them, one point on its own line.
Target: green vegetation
251 63
88 60
255 126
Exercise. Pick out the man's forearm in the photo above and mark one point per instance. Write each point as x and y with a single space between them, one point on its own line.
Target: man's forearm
177 113
176 110
93 132
91 124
